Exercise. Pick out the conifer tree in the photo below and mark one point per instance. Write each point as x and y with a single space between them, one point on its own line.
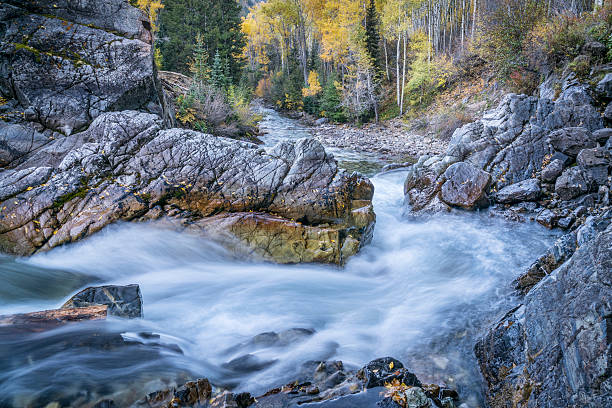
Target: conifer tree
372 34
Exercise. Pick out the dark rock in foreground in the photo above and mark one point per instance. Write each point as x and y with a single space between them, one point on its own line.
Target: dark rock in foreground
122 301
323 382
555 349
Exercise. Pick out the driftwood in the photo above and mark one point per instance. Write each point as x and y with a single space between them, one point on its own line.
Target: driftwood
55 316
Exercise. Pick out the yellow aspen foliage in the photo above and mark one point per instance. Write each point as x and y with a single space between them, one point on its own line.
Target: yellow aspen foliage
314 86
151 8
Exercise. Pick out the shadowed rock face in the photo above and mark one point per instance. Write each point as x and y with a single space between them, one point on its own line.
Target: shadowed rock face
555 348
82 145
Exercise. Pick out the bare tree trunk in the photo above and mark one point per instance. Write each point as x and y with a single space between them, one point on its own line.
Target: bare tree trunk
386 59
397 70
403 78
474 19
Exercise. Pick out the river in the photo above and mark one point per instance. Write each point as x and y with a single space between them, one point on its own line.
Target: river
422 291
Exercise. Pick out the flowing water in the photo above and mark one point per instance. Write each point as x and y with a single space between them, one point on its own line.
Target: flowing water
422 291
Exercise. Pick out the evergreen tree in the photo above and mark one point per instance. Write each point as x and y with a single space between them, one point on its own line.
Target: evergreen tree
199 62
331 102
373 34
218 21
217 76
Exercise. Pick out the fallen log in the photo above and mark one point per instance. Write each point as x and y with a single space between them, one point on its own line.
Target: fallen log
55 316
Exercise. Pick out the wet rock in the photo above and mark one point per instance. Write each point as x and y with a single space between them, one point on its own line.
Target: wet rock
527 190
190 394
122 301
547 218
554 348
465 186
572 183
247 364
384 370
552 171
321 121
570 141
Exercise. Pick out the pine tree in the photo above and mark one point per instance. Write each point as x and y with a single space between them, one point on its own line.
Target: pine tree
199 63
217 77
372 34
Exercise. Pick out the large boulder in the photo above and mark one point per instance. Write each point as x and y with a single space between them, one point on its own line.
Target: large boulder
555 348
571 141
465 186
572 183
128 168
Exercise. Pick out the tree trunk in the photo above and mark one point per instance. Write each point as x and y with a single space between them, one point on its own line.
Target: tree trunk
403 78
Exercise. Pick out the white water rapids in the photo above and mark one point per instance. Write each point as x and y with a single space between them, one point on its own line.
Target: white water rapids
420 292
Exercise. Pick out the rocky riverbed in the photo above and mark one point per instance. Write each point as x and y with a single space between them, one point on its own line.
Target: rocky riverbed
181 246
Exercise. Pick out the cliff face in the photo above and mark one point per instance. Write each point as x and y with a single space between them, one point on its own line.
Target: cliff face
83 144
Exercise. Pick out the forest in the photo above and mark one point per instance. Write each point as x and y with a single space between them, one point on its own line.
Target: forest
363 60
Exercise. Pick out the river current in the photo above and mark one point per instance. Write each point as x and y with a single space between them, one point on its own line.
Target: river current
422 292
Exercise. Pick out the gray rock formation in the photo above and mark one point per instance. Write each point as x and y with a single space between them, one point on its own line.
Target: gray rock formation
526 145
82 145
554 349
128 168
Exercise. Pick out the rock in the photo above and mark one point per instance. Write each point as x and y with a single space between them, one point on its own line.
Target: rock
593 157
572 183
192 393
595 162
552 171
608 113
602 135
554 348
527 190
62 75
594 49
547 218
321 121
413 397
465 186
248 363
122 301
565 222
604 86
384 370
571 140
